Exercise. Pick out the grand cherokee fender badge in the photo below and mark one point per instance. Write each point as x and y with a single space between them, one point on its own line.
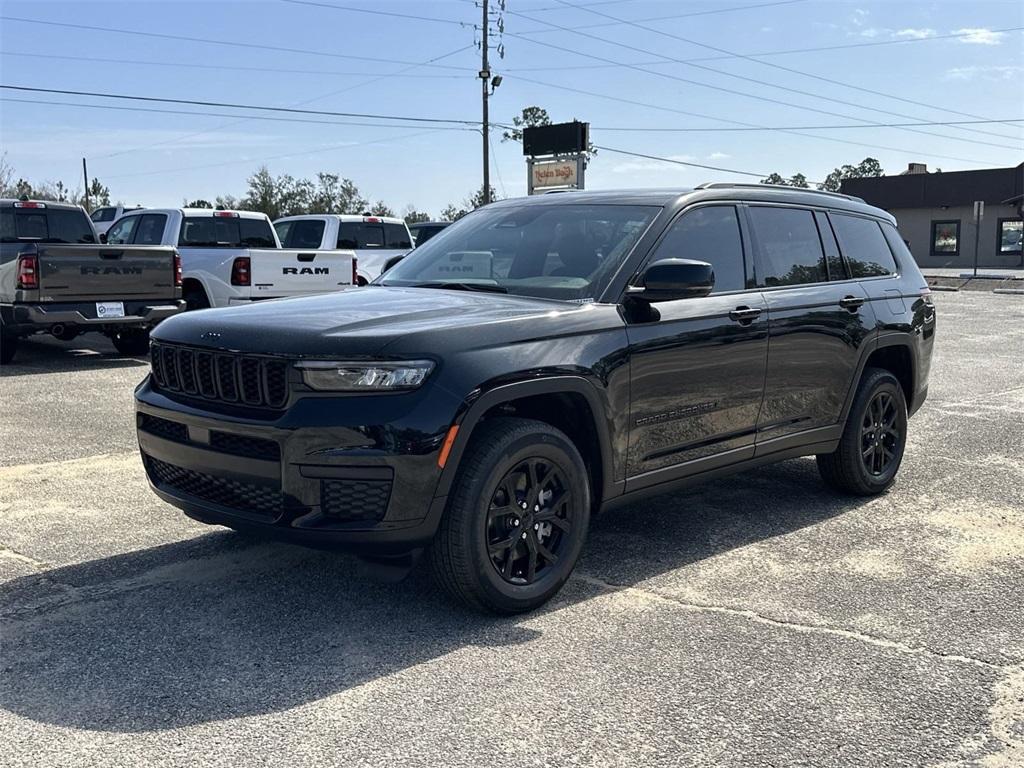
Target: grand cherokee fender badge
680 413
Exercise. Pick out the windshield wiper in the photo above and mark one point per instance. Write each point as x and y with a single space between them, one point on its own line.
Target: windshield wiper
457 286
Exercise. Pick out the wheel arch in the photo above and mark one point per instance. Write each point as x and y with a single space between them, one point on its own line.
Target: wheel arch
569 403
894 353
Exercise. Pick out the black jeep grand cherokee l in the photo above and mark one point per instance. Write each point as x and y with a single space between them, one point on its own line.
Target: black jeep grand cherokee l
538 361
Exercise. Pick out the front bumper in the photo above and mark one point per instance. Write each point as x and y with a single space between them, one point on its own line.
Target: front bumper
307 476
32 317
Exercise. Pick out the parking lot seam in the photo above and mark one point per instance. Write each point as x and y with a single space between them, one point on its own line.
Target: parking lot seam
746 613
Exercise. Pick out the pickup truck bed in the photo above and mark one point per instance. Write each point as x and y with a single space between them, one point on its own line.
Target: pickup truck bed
67 288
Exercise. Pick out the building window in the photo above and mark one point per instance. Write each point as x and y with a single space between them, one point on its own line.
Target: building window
1011 232
945 238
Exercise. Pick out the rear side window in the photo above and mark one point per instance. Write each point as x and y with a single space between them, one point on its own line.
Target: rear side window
357 234
863 245
104 214
789 248
226 232
45 225
304 233
710 234
150 229
397 236
122 231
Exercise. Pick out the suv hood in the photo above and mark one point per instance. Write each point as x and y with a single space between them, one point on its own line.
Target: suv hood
358 322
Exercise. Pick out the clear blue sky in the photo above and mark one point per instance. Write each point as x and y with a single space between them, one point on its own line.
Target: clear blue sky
156 159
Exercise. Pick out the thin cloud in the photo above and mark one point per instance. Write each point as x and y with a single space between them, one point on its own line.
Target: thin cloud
996 73
915 34
980 36
718 156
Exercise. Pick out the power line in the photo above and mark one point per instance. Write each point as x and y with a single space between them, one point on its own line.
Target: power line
193 113
228 105
680 162
378 13
230 43
298 104
663 18
759 55
664 108
645 129
212 67
791 70
729 74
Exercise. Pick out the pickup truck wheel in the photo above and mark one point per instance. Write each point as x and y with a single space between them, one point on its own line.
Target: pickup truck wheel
871 448
8 346
195 298
516 520
132 342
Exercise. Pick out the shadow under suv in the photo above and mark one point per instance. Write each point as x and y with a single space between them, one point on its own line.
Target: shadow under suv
538 361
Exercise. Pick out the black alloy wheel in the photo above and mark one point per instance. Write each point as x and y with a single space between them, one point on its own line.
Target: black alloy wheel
529 521
880 435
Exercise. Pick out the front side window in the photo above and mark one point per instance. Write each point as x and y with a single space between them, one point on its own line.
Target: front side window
1010 234
789 248
864 246
559 251
121 233
945 238
710 234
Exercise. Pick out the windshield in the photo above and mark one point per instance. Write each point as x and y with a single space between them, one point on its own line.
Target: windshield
566 252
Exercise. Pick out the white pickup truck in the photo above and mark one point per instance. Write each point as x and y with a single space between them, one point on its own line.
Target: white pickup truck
234 257
374 239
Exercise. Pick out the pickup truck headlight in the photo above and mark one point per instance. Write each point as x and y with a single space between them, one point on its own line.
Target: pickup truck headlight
337 376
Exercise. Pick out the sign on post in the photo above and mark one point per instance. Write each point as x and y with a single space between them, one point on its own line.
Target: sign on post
559 173
556 156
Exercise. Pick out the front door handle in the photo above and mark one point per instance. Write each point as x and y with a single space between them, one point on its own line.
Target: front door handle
852 303
744 315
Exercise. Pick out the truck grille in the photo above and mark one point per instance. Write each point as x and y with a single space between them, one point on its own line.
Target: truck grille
245 497
259 382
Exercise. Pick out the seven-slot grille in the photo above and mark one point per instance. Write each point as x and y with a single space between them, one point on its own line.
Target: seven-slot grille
223 376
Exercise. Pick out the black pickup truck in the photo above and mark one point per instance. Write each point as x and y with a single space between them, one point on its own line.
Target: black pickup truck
56 278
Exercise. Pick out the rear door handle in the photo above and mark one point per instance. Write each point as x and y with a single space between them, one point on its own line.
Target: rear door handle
744 315
852 302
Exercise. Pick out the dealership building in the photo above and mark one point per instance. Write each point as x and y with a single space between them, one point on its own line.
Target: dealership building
936 213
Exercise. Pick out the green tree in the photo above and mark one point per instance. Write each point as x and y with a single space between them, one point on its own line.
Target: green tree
98 194
412 216
531 117
334 194
867 168
200 203
796 180
380 208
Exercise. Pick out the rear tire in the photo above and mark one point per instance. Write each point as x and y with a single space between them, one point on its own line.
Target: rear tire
8 346
491 552
195 298
871 448
131 342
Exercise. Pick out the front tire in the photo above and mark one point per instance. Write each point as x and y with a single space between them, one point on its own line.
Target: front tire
131 342
516 520
871 448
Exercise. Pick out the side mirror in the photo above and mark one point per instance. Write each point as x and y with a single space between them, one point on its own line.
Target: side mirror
671 279
391 262
103 237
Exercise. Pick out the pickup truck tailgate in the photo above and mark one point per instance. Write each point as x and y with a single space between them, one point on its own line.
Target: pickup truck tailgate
90 272
277 272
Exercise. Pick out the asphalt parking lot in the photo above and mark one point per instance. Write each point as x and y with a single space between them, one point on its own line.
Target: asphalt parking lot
758 620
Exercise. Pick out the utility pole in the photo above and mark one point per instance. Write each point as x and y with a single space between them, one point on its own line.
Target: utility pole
85 175
485 84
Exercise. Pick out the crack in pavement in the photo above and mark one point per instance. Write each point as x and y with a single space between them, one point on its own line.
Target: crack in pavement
22 558
746 613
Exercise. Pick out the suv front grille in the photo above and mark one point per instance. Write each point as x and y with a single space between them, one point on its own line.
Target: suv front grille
236 494
224 377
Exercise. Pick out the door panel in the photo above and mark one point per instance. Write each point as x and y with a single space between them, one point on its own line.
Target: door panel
697 381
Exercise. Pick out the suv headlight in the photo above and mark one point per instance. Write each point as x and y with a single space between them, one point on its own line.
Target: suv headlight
339 376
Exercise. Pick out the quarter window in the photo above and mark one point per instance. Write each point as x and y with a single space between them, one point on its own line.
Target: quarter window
1010 233
789 247
710 234
864 246
945 238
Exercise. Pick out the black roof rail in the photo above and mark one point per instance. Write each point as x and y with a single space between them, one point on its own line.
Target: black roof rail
746 185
